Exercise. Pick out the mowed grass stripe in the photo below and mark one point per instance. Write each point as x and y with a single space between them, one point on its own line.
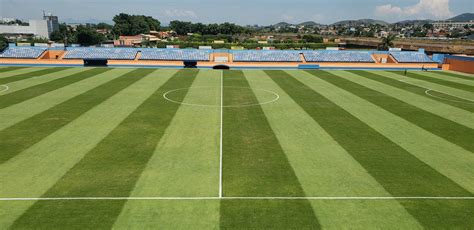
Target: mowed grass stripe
189 150
11 68
24 76
429 85
457 75
441 75
51 158
449 100
443 110
29 108
307 145
429 148
254 164
317 160
111 168
22 135
399 172
440 126
184 164
20 71
451 84
28 93
170 214
31 82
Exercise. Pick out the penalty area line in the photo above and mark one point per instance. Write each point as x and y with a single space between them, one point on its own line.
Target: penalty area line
236 198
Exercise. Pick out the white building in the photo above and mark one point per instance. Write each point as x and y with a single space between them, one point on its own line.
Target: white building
449 24
36 28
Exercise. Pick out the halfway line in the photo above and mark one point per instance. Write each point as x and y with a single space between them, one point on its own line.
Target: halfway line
220 136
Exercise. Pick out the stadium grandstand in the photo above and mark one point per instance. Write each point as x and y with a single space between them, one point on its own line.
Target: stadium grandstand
75 56
266 56
339 56
175 54
23 52
101 53
411 57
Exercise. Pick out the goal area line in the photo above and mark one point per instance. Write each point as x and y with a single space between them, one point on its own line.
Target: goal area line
234 198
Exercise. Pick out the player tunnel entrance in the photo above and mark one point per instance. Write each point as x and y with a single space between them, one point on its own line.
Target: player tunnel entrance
221 67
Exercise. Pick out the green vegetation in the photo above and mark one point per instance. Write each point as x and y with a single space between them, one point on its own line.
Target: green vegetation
126 24
183 28
3 43
338 149
85 35
254 45
387 42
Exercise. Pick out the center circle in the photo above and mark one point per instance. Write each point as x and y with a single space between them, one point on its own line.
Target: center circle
212 93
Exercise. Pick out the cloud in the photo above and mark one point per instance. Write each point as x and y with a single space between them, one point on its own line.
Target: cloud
387 9
287 17
175 13
438 9
318 17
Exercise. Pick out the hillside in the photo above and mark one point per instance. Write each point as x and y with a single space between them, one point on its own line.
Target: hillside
463 17
361 22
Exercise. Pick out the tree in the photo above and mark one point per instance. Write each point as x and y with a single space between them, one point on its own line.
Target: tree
65 34
428 26
180 27
104 26
126 24
3 43
418 32
312 39
387 42
87 36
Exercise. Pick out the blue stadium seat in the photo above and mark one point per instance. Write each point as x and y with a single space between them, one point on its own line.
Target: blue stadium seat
338 56
411 57
23 52
101 53
175 54
267 56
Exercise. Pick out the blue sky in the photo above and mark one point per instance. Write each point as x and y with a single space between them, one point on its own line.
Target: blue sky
262 12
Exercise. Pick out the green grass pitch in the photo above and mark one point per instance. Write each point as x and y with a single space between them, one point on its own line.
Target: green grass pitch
123 148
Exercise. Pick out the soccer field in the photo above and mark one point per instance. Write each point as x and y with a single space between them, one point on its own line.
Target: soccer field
101 148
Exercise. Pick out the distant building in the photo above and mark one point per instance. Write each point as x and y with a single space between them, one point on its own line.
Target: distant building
35 28
449 24
7 20
52 22
129 41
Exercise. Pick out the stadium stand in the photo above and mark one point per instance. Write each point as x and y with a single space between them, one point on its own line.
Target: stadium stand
101 53
175 54
266 56
338 56
23 52
411 57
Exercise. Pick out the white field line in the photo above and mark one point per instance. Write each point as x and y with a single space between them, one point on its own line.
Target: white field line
241 198
220 133
4 88
428 90
166 96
